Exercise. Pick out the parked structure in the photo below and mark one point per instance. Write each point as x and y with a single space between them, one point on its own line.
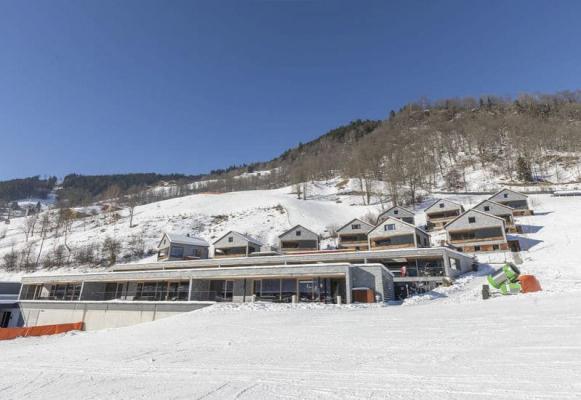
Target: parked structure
298 239
398 212
518 201
235 244
133 293
174 247
393 233
475 231
353 235
442 212
498 210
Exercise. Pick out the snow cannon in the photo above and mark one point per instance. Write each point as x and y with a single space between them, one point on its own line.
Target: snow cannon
510 288
509 273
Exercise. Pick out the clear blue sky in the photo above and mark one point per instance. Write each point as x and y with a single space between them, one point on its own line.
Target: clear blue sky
187 86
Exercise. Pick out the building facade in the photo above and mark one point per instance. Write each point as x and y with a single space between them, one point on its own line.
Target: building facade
394 233
398 212
353 235
442 212
173 247
518 201
235 244
475 231
298 239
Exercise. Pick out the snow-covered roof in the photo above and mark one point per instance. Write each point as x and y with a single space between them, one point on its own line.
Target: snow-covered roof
246 237
449 202
186 239
355 220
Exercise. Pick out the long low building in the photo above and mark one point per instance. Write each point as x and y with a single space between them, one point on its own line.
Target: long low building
135 293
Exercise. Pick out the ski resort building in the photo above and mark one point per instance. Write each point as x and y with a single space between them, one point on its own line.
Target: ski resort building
234 244
442 212
518 201
393 233
498 210
398 212
298 239
476 231
174 247
133 293
353 235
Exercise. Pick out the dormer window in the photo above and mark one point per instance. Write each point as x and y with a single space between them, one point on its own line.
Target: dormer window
486 208
471 220
389 227
298 233
356 226
230 239
441 205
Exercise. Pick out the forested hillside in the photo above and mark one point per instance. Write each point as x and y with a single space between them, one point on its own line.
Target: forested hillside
445 144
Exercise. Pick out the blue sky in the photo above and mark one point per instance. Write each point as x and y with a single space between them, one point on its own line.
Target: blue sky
105 86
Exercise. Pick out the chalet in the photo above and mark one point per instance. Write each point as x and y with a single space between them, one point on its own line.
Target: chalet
353 235
298 239
174 247
235 244
442 212
393 233
476 231
498 210
398 212
513 199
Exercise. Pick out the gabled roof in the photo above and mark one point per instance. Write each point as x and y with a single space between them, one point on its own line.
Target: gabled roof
353 220
508 190
295 227
184 239
400 207
446 200
476 211
508 208
246 237
399 221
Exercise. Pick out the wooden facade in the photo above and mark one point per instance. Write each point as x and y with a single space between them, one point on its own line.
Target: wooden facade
235 244
398 212
393 233
298 239
517 201
476 231
442 212
353 235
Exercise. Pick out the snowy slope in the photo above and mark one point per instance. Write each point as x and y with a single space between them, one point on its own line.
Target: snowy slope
522 347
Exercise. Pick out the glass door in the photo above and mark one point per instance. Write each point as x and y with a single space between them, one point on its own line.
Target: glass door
308 291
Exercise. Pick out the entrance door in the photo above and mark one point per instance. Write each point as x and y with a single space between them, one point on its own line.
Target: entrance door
5 319
308 291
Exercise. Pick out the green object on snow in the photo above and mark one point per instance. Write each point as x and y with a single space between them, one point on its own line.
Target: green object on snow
510 288
508 273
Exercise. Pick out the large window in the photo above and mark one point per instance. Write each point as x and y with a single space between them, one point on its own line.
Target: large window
177 252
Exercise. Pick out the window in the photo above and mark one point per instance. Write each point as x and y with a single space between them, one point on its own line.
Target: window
389 227
471 220
486 208
476 248
495 247
395 212
177 251
505 195
230 239
298 233
356 226
441 205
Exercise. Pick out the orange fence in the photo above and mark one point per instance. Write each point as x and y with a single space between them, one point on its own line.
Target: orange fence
12 333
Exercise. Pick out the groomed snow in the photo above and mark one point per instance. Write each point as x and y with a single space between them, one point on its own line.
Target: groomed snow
521 347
